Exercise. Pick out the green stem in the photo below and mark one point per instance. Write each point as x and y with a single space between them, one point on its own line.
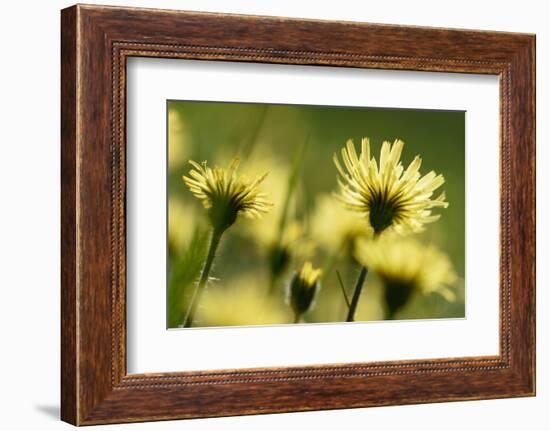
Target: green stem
357 294
332 259
214 242
248 146
291 186
343 289
297 317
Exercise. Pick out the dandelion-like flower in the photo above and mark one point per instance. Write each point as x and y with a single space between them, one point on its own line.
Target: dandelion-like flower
406 266
303 287
225 194
385 194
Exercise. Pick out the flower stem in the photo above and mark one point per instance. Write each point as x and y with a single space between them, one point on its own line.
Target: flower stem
278 254
297 317
214 242
343 289
357 294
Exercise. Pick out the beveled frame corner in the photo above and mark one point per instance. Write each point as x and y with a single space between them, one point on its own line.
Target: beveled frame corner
96 41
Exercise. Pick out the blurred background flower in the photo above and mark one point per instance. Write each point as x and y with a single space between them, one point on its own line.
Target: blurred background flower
182 223
281 236
240 302
179 141
335 228
407 267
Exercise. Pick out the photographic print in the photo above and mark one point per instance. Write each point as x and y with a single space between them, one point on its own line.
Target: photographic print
300 214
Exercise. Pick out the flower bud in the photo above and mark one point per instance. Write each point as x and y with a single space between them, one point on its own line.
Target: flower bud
303 287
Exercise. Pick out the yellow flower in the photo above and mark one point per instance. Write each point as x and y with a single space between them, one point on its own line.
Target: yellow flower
266 231
309 275
406 266
182 223
387 196
303 287
226 195
240 303
294 244
179 140
336 228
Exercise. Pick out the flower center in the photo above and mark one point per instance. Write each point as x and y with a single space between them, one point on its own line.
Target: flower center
382 212
223 212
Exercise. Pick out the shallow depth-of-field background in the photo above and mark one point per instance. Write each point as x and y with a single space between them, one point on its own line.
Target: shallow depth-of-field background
268 138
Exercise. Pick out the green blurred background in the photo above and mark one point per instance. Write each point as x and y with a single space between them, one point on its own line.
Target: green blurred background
268 138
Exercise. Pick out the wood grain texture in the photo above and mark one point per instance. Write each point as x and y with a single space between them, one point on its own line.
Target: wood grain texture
69 397
96 41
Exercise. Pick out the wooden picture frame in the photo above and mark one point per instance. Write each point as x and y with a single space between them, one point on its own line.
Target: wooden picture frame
95 43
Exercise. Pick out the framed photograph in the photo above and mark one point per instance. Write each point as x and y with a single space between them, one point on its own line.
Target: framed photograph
266 215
